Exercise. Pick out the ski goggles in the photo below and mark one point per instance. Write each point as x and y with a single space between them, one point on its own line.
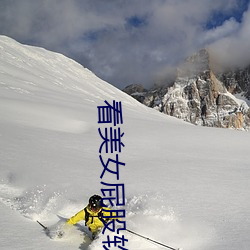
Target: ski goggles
94 208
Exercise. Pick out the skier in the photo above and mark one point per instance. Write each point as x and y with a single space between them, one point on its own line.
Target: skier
93 215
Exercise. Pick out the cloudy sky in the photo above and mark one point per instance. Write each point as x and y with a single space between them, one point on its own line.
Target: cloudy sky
131 41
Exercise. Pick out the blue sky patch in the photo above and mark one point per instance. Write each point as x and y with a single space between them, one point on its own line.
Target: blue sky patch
219 17
136 21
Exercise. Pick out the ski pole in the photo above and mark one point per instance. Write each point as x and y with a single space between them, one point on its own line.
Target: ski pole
159 243
45 228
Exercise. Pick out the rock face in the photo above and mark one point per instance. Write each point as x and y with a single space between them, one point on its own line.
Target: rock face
237 81
137 91
201 97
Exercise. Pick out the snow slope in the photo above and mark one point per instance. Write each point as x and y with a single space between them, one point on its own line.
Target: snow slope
186 186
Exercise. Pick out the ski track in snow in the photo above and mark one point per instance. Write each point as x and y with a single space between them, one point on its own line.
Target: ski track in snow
32 204
146 215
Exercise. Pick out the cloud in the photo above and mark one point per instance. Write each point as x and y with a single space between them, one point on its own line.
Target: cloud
233 49
228 28
121 41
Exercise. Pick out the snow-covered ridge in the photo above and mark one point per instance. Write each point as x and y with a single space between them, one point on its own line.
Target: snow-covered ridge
34 66
33 74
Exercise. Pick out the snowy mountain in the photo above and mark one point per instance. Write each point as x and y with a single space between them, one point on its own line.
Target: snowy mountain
201 95
186 186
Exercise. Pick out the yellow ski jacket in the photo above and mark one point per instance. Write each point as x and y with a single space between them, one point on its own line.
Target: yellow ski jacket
93 222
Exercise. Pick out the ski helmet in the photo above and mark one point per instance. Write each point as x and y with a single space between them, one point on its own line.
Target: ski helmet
95 202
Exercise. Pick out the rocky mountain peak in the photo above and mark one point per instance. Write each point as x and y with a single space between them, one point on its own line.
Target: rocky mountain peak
196 64
200 96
